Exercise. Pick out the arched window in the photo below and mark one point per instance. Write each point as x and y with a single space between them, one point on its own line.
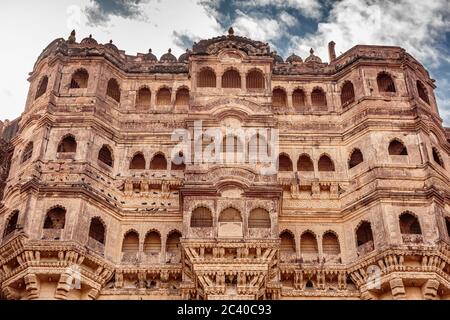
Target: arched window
364 234
318 98
308 243
409 224
152 243
97 230
305 163
396 148
347 94
180 166
325 163
79 79
230 215
11 224
284 163
163 97
158 162
130 242
330 244
113 89
355 158
144 98
206 78
437 157
231 79
385 83
105 156
279 98
42 87
255 80
138 162
55 218
201 217
173 242
298 100
257 148
287 242
182 97
447 224
259 218
232 149
68 144
422 91
27 152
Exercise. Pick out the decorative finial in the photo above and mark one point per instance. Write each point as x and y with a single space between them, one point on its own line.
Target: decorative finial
72 37
170 50
311 51
150 50
110 41
231 31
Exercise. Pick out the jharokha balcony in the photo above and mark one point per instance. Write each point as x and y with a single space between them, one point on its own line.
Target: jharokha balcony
412 238
365 248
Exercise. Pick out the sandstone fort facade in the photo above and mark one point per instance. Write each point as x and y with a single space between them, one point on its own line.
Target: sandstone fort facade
95 207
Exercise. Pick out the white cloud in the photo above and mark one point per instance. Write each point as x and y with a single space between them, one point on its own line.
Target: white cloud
414 25
308 8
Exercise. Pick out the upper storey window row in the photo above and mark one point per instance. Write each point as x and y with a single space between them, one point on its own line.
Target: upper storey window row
231 79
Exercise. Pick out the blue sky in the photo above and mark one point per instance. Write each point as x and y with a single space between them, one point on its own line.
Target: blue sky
421 27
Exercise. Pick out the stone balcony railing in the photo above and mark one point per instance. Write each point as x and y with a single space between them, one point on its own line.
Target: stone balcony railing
365 248
96 245
288 257
51 234
310 257
206 232
65 155
173 257
131 258
412 238
259 233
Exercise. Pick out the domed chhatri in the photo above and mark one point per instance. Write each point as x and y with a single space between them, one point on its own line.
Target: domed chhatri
312 57
111 46
184 57
72 38
150 56
168 57
293 59
89 41
278 58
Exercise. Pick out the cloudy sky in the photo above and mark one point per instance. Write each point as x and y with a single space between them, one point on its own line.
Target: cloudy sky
26 27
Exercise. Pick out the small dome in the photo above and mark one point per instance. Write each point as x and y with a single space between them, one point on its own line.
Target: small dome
278 59
184 57
150 56
168 57
312 57
111 46
89 41
293 58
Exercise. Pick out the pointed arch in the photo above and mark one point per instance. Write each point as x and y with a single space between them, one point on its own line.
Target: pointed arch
144 98
397 148
231 79
284 163
173 242
325 164
356 157
308 243
305 163
318 98
259 218
152 242
299 99
437 157
68 144
279 98
55 218
206 78
182 97
201 217
79 79
385 83
137 162
105 155
130 243
287 244
255 79
330 243
97 230
347 93
113 89
422 91
230 214
11 223
164 97
364 233
27 152
409 223
158 162
42 87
